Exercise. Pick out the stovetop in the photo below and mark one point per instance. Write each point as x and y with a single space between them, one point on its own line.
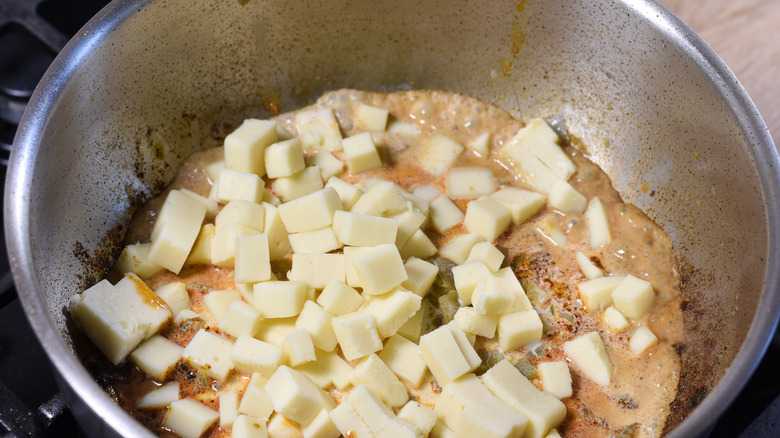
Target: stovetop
31 33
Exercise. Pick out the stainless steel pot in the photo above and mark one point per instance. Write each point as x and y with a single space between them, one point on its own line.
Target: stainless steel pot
147 82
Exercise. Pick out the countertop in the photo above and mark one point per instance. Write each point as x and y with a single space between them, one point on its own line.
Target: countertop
746 35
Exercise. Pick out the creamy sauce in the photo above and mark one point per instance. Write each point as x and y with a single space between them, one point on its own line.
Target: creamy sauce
642 386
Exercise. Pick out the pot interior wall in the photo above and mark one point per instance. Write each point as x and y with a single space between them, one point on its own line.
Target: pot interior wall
165 78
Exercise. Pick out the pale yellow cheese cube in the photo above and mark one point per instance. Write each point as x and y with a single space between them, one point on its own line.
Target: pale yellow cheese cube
361 153
642 339
348 193
252 261
256 402
441 430
508 280
246 426
409 221
553 434
363 413
588 268
201 250
116 318
175 296
339 299
537 140
466 277
598 223
247 213
212 206
212 170
420 416
488 254
589 354
280 299
233 184
633 297
244 147
294 395
188 418
380 269
356 334
419 245
339 371
157 356
596 294
475 323
556 378
275 231
228 408
459 248
280 427
494 294
310 212
298 347
403 130
224 244
543 410
445 215
209 353
319 241
273 331
299 184
159 397
328 164
364 230
486 217
240 319
470 182
317 270
403 357
566 198
413 326
319 323
614 318
420 276
175 230
351 253
417 202
218 301
391 310
435 154
448 353
370 118
382 198
481 145
135 258
522 204
518 329
375 374
321 426
284 158
318 130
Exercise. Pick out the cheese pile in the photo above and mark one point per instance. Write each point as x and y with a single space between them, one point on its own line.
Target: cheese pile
348 316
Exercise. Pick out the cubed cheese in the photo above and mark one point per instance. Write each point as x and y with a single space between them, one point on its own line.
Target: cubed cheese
274 331
436 153
201 250
566 198
556 378
218 301
419 245
494 294
383 198
318 130
315 320
224 244
518 329
280 299
614 318
321 426
420 416
588 268
228 408
135 258
375 374
487 218
459 248
466 277
299 184
209 353
364 230
348 193
310 212
409 221
588 353
488 254
448 353
470 182
244 147
392 309
642 339
280 427
475 323
233 184
253 259
361 153
598 223
550 228
403 130
364 414
403 357
256 402
188 418
298 347
317 270
329 165
413 326
175 230
339 299
371 118
596 294
633 297
274 229
175 296
319 241
157 356
240 319
420 275
522 204
445 215
284 158
248 427
481 145
160 397
212 170
294 395
247 213
356 334
380 269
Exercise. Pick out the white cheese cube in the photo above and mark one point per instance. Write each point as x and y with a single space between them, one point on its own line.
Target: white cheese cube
280 299
348 193
598 223
633 297
247 213
412 327
370 118
299 184
420 416
218 301
175 296
157 356
427 192
588 268
538 140
135 258
310 212
364 414
339 299
233 184
392 309
351 253
420 276
329 165
441 430
298 347
364 230
383 198
117 318
361 153
494 294
212 206
240 319
212 170
403 130
160 397
244 147
403 357
459 248
201 250
448 353
318 130
481 145
522 204
274 229
642 339
284 158
380 270
356 334
486 217
319 323
475 323
436 153
553 434
175 230
256 402
466 277
280 427
209 353
228 408
556 378
248 427
409 221
543 410
445 215
488 254
338 369
374 373
596 294
253 259
566 198
614 319
273 331
419 245
588 353
509 280
319 241
317 270
321 427
518 329
224 244
470 182
188 418
294 395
